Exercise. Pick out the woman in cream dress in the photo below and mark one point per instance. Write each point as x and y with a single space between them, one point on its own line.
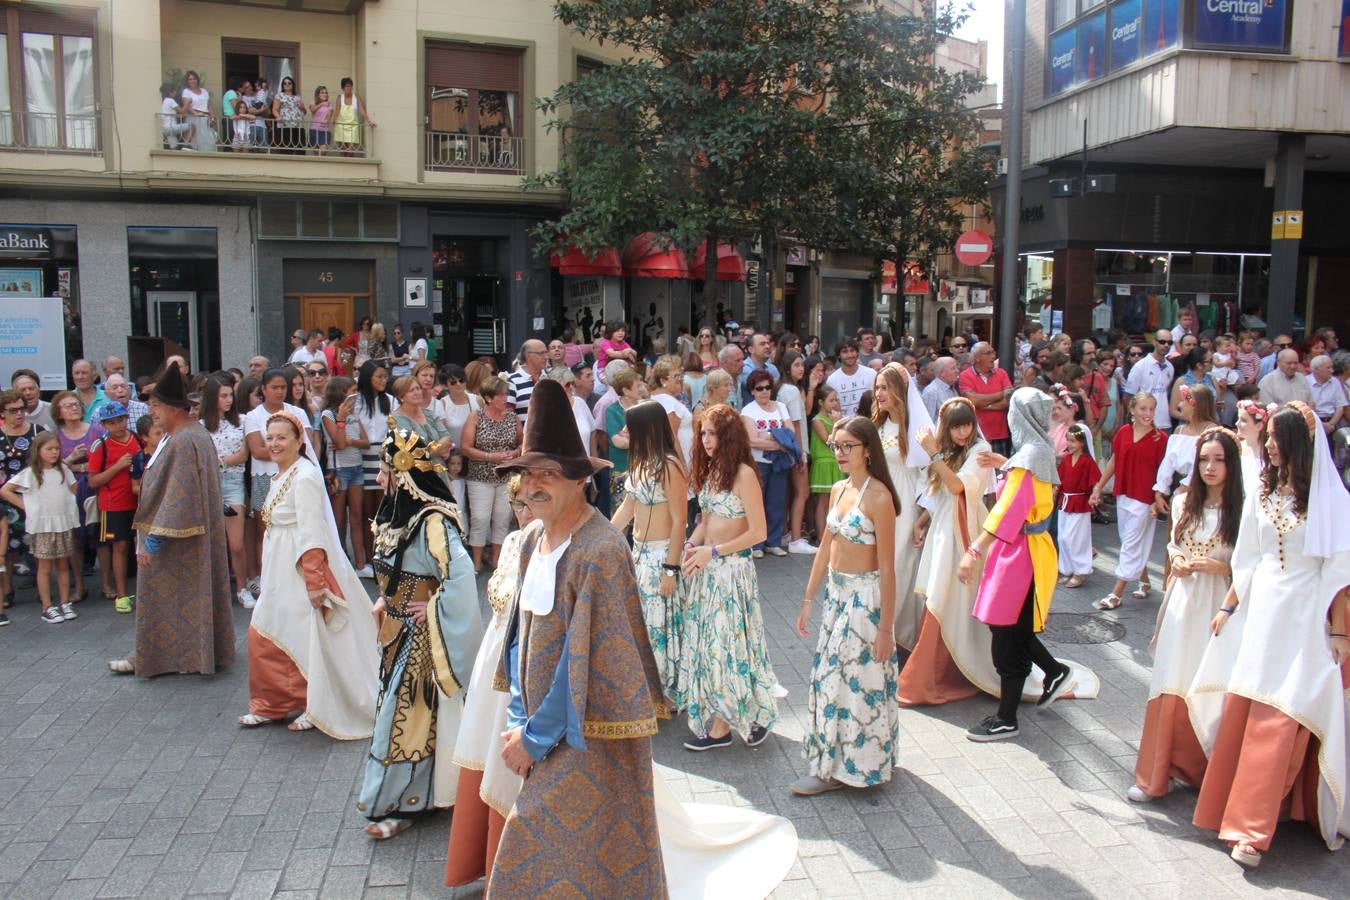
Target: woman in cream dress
1204 530
899 414
311 641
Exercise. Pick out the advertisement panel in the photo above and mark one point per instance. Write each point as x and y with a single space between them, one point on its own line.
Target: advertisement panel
33 336
1160 25
1062 50
1345 29
1126 18
1090 60
1248 24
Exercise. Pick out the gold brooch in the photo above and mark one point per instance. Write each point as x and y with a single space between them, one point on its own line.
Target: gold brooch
410 453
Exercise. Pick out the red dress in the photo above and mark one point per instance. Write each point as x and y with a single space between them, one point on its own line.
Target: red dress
1076 480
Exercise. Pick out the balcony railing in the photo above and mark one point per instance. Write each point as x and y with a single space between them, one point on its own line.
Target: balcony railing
450 151
238 134
50 132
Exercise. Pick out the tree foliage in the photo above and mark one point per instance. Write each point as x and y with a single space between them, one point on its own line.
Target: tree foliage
823 120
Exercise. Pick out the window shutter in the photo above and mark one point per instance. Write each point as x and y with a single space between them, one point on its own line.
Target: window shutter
471 66
73 22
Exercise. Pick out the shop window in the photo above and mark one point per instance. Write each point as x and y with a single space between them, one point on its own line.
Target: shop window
47 80
474 116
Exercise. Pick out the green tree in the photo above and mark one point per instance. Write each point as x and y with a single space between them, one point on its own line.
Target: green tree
823 120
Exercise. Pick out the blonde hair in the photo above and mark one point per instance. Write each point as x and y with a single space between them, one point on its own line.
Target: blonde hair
623 379
662 369
403 384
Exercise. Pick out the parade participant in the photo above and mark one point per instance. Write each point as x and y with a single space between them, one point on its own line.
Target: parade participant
1136 452
853 734
725 679
899 415
655 473
487 786
429 629
1251 429
1078 473
951 642
1204 530
585 693
311 641
1018 581
1268 701
183 618
1194 409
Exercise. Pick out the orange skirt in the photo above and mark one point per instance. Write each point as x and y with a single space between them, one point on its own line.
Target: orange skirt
930 676
1263 768
1168 747
475 831
276 689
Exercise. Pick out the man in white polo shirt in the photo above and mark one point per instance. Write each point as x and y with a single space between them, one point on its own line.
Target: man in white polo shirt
1154 374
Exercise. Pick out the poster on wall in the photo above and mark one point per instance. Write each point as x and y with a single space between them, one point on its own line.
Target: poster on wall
1247 24
1126 18
1160 25
20 283
1344 47
33 336
1062 48
1090 60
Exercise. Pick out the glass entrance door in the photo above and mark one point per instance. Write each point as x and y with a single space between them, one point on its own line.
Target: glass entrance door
173 315
472 289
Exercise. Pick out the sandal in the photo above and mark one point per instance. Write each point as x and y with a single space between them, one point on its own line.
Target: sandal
1063 580
1245 854
384 829
1075 581
1110 601
1141 592
121 666
253 720
301 723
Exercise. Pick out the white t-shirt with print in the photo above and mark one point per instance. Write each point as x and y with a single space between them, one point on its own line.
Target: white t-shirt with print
256 423
763 420
850 388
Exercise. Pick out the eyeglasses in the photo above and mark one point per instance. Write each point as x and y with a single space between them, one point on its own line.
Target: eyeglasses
1165 342
761 387
313 372
1135 354
844 447
518 505
1284 346
13 410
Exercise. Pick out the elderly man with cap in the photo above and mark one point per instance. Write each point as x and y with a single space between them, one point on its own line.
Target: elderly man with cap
183 620
585 693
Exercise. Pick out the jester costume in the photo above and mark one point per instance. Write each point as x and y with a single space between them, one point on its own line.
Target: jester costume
424 666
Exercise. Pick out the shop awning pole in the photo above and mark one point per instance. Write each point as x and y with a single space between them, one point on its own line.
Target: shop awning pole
1016 11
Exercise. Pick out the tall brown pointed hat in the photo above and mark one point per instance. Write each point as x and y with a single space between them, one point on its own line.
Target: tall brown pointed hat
551 437
170 389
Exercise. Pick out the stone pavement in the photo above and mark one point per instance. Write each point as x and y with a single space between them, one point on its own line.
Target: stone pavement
117 787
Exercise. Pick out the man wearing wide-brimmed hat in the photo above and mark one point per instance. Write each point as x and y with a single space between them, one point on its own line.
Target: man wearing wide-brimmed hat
585 693
183 620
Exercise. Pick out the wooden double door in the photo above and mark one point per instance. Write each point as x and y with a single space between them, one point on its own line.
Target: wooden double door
325 311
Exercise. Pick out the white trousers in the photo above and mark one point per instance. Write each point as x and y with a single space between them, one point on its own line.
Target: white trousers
1075 543
1135 525
489 512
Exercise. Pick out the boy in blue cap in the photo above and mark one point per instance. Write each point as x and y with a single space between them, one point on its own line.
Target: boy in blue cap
110 463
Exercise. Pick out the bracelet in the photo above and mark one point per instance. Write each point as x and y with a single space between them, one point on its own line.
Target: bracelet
672 568
715 554
1228 609
1337 634
974 551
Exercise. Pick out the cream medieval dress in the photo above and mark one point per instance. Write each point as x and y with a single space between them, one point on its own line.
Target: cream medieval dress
909 474
323 661
1168 748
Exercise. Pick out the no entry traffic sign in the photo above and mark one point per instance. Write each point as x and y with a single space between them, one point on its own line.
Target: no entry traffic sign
974 248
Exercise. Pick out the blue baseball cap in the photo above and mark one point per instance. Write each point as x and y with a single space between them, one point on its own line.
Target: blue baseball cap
113 409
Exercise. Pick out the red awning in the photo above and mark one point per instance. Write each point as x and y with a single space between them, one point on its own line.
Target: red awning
575 262
730 266
644 257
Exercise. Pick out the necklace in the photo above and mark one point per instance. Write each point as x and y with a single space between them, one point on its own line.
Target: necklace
281 492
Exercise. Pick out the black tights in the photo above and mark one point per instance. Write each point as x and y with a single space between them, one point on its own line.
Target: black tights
1015 647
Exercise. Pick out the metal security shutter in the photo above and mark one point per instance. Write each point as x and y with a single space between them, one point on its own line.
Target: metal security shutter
74 22
474 66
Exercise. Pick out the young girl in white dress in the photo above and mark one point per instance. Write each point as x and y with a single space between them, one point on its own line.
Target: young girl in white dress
45 492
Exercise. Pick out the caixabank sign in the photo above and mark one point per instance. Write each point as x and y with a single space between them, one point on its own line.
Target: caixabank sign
1241 24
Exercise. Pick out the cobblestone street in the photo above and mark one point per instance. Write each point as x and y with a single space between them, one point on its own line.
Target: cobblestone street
118 787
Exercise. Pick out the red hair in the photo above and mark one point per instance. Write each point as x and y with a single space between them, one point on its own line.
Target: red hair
733 449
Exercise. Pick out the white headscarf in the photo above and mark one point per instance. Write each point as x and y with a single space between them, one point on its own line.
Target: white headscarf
919 419
1029 423
1326 495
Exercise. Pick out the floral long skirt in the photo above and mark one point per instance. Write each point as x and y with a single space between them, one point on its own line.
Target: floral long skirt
724 669
854 730
663 615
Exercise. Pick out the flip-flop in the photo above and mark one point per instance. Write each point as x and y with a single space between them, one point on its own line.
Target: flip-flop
253 720
384 829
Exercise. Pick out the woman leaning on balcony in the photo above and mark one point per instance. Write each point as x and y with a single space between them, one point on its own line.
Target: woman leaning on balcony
289 111
351 110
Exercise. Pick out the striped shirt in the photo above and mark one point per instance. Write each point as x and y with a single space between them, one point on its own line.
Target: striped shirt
519 388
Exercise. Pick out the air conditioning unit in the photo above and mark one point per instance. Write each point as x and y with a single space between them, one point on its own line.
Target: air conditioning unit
1002 167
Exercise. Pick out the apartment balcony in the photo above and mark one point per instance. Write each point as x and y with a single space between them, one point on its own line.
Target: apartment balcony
225 147
51 133
449 151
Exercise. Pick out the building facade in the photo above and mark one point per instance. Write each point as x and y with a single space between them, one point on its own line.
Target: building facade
1184 153
222 229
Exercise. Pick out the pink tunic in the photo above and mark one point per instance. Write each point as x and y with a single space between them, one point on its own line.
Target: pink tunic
1016 558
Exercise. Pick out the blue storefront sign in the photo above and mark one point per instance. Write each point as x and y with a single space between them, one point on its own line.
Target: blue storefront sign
1062 49
1160 25
1249 24
1090 62
1126 23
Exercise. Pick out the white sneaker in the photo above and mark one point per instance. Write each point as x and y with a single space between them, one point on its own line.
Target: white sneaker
365 572
246 598
775 551
254 586
1136 794
757 554
802 545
